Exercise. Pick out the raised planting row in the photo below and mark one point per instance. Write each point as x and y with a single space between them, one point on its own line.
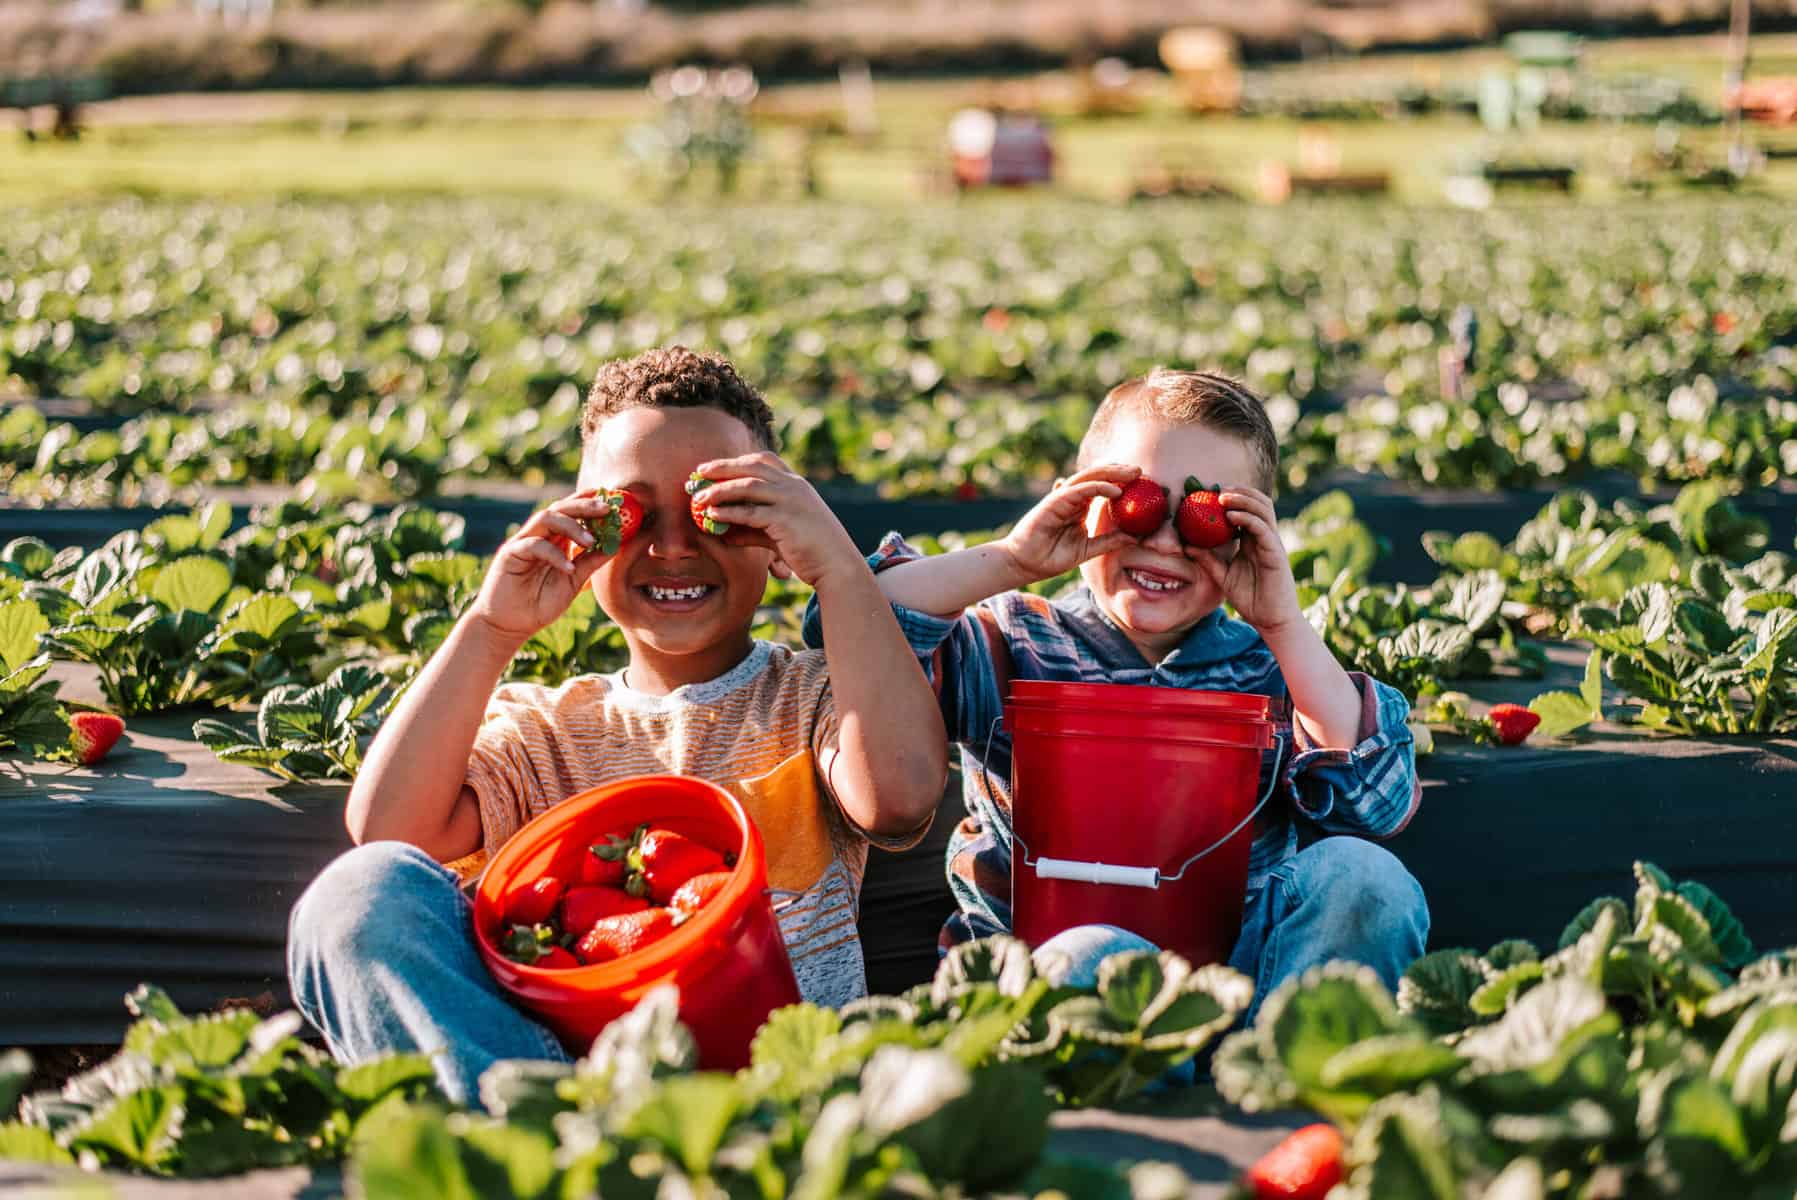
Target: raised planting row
315 619
376 350
1651 1053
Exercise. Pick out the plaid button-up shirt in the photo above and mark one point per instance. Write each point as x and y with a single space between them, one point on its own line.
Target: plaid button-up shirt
1370 790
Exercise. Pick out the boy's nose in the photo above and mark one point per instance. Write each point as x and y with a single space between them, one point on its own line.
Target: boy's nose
674 535
1165 539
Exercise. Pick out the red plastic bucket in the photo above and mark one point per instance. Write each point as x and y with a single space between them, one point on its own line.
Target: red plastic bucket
728 960
1134 806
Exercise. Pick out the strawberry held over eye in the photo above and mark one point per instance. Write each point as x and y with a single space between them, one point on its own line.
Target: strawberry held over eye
1202 520
696 483
617 526
1141 508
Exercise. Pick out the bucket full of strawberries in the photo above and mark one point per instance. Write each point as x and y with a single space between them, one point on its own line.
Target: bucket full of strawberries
641 882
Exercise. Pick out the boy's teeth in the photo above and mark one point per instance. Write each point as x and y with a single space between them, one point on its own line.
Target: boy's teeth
686 593
1154 585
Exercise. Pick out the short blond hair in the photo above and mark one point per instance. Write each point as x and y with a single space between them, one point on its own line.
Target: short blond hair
1191 398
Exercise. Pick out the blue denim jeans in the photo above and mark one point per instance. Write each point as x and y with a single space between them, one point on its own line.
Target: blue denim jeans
381 954
1338 898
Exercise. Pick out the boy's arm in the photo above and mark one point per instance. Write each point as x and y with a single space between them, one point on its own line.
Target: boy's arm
411 787
1051 538
891 756
1354 766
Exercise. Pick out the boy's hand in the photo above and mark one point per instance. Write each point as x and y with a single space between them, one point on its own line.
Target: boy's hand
766 504
1257 578
532 581
1052 538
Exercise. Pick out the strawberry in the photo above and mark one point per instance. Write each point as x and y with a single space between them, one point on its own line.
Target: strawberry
694 484
92 734
616 527
555 958
1302 1167
532 904
1200 519
604 864
532 945
1511 724
666 860
585 907
618 936
1141 508
696 893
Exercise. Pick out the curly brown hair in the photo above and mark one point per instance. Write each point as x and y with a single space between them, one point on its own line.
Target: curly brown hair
675 377
1192 398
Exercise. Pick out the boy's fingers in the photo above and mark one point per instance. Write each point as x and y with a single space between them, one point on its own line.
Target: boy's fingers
540 550
1075 498
756 516
569 528
743 489
1117 473
748 536
760 463
1253 524
1109 543
1249 500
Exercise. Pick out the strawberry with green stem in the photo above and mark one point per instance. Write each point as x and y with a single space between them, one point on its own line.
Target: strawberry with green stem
535 946
606 864
92 735
1201 518
619 524
664 860
695 484
616 937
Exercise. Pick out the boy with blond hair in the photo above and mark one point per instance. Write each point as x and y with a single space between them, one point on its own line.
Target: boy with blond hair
826 751
1149 612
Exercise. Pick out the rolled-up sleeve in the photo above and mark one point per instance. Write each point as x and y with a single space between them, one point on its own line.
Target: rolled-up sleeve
1371 789
958 654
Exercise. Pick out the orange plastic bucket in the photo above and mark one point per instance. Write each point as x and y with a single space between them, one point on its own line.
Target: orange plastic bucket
728 961
1134 806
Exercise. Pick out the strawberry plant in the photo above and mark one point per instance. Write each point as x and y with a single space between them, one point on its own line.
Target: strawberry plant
1649 1055
305 734
32 720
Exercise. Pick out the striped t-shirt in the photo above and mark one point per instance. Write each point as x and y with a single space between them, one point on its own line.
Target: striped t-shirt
759 730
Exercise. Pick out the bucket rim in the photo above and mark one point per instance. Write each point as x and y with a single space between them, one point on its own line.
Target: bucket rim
695 942
1047 693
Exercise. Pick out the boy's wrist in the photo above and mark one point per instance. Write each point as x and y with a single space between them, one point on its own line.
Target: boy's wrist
479 636
1009 571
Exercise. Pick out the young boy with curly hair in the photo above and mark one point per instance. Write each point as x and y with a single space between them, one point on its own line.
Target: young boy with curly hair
827 751
1149 611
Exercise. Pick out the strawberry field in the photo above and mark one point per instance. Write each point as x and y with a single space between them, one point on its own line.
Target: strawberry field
256 456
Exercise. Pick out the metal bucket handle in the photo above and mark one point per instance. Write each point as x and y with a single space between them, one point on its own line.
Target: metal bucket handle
1110 873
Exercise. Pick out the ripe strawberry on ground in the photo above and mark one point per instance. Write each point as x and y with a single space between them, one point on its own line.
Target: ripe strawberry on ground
92 735
585 907
616 527
1201 518
1141 509
695 483
618 936
532 904
696 893
666 860
1302 1167
1511 723
606 863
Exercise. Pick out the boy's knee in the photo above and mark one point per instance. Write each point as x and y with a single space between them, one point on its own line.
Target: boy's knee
336 918
1366 884
1072 957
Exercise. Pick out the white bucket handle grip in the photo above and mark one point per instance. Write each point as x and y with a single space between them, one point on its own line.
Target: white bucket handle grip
1108 873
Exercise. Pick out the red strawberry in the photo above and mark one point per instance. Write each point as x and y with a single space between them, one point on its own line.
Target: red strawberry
529 944
604 864
616 527
696 483
696 893
532 904
1141 508
556 958
1302 1167
618 936
92 734
1200 519
1511 723
585 907
667 860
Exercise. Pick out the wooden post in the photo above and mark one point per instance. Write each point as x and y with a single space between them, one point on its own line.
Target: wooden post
1740 14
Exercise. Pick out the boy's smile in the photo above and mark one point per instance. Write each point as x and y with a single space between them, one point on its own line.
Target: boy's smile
1152 590
684 599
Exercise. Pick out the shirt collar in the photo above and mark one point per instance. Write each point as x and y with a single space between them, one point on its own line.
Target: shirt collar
1217 636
